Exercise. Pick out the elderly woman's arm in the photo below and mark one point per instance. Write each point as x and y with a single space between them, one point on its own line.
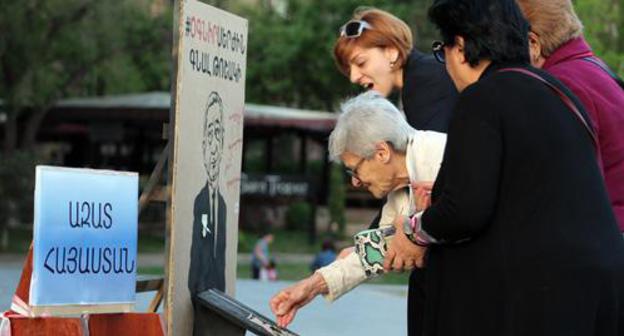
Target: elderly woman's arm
332 281
336 279
342 276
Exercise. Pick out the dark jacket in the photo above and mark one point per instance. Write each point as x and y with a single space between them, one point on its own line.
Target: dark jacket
207 269
428 93
428 97
531 246
604 101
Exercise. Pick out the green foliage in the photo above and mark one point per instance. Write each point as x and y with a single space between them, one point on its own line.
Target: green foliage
337 199
298 216
55 49
60 48
290 54
150 243
246 241
315 167
604 29
285 241
144 62
151 270
290 51
254 161
17 184
285 272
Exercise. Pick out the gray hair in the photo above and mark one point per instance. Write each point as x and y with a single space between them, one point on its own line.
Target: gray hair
365 121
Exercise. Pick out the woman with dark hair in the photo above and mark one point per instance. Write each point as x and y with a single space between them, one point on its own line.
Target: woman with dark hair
520 234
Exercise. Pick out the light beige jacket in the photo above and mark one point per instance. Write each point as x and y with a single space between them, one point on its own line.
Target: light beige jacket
423 157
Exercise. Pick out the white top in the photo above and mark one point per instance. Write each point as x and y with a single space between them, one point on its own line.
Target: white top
423 157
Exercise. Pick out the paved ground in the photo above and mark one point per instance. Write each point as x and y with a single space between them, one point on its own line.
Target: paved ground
367 310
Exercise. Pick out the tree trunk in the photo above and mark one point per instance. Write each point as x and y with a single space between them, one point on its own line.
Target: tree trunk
32 128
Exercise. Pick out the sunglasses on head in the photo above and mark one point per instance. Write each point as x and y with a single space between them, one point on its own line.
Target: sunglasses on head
437 47
354 28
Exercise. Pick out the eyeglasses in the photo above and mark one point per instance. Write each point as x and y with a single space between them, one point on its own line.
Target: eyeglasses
354 28
437 47
353 172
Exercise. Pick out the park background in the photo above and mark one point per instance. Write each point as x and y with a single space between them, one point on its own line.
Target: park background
53 53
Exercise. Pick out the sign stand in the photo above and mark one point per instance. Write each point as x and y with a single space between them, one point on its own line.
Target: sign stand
21 320
120 324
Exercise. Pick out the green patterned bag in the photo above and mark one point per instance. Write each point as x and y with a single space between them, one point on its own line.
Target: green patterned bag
371 246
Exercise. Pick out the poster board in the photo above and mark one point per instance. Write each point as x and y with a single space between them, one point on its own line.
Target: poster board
207 135
242 315
84 241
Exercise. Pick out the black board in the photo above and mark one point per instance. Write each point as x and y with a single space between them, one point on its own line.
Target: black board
241 315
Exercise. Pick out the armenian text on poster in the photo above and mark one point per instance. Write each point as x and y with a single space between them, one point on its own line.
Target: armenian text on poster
85 237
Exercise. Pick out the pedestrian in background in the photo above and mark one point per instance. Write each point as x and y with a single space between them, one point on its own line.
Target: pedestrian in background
325 257
261 256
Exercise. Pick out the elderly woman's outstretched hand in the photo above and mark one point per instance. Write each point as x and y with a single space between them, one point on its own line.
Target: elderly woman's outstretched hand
287 302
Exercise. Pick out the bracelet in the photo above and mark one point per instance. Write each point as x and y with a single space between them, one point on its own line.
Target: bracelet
413 221
416 235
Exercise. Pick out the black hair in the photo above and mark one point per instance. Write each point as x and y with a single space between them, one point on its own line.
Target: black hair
491 29
328 244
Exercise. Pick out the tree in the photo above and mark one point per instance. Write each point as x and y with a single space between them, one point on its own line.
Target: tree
290 53
55 49
604 29
60 48
337 199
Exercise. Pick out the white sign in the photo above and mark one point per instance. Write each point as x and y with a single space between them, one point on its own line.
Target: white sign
85 238
206 161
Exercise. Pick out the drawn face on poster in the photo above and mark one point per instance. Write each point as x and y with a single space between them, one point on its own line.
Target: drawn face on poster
213 139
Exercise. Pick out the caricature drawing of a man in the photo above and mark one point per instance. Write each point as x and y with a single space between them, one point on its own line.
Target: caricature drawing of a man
207 268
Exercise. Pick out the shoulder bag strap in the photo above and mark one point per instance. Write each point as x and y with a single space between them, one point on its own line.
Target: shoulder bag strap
566 100
606 69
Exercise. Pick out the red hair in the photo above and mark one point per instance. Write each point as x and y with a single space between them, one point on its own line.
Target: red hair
387 31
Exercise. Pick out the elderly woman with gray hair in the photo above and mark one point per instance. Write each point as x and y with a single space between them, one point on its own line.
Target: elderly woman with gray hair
385 155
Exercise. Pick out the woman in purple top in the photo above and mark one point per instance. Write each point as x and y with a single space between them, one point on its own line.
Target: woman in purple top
557 45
